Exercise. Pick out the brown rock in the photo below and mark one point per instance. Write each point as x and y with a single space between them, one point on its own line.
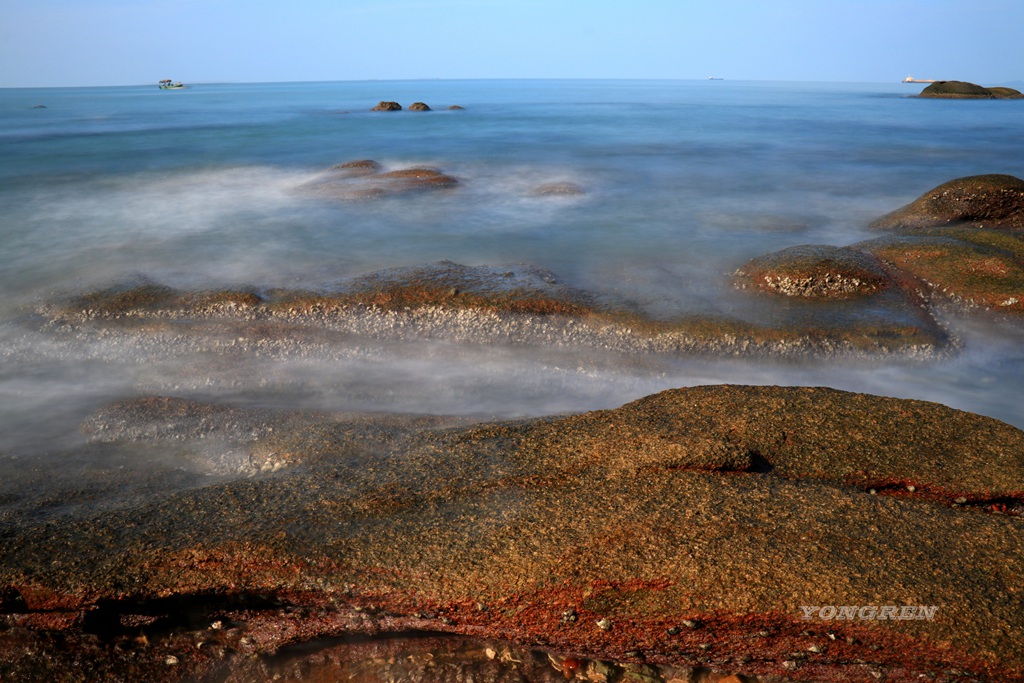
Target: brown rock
359 167
385 105
815 271
727 506
418 106
515 304
990 201
968 266
421 177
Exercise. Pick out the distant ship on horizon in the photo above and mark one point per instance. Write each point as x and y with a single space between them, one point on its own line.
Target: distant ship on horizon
911 79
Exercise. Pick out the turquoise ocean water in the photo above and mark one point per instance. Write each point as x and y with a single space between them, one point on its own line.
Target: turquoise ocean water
684 180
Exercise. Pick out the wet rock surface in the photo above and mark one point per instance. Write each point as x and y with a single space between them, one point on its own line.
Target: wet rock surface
686 529
960 245
366 179
970 268
984 201
484 305
358 167
815 272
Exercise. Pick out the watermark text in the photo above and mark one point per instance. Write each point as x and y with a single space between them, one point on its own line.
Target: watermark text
869 612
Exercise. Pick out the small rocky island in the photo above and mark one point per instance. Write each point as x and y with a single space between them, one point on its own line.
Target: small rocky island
962 90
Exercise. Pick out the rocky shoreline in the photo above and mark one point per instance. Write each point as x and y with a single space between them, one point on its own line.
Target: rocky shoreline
693 534
685 529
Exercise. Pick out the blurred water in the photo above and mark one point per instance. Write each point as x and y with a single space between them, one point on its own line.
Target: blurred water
684 180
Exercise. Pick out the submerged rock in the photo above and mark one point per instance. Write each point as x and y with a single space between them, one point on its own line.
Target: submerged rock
815 271
220 439
364 179
729 508
988 201
562 189
962 90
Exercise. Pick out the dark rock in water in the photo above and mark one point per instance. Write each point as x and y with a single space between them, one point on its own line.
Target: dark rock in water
989 201
741 509
563 189
962 90
455 107
385 105
968 266
418 106
39 106
815 271
359 167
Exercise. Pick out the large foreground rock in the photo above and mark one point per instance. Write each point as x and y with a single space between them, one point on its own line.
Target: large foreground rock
691 527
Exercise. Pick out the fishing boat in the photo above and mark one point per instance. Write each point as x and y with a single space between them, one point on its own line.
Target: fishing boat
168 84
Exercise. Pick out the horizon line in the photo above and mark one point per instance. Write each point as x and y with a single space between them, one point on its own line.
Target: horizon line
525 78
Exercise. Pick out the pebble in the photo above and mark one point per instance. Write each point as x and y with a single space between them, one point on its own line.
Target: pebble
604 624
171 660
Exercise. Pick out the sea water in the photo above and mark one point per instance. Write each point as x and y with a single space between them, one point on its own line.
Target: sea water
684 181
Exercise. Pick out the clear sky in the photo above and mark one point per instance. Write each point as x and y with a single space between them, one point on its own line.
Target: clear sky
123 42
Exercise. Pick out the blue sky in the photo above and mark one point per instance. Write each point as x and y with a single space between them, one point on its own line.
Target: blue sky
123 42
